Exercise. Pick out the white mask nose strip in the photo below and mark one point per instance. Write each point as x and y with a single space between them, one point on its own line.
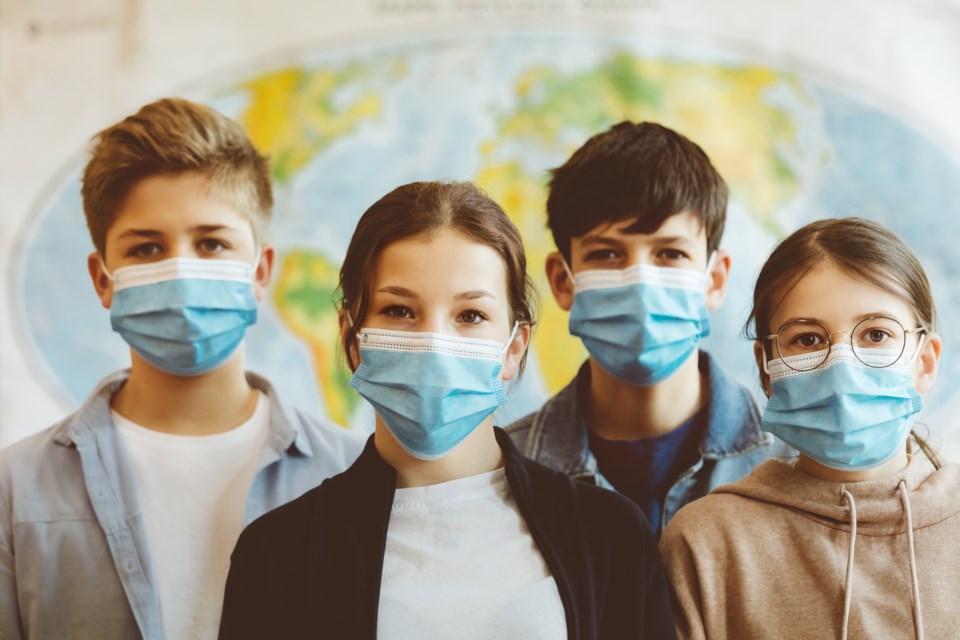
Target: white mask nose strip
640 274
839 353
386 340
182 268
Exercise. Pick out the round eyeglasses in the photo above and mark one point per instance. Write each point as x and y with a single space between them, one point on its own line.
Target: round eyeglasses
877 342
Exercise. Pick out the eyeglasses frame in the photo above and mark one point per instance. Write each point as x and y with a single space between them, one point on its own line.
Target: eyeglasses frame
830 342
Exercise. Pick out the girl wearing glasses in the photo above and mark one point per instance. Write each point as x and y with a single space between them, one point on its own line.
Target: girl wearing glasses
441 529
859 537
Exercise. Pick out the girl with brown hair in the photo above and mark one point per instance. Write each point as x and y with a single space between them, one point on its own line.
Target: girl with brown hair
859 536
441 529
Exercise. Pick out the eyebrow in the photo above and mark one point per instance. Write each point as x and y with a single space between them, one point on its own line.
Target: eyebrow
155 233
402 292
873 314
659 240
856 319
672 240
473 295
600 240
210 228
140 233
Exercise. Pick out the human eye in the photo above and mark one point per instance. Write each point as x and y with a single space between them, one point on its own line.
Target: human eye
672 256
802 341
472 316
144 250
808 340
602 255
397 311
211 245
876 336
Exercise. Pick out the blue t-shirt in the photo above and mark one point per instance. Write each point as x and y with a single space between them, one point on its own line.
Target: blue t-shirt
644 469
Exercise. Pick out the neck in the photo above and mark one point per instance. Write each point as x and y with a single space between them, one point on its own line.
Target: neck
813 468
619 411
478 453
206 404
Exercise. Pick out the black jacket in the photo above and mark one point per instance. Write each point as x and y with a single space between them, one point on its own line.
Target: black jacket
312 568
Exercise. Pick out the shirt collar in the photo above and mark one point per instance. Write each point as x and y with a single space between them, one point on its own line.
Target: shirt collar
94 416
558 432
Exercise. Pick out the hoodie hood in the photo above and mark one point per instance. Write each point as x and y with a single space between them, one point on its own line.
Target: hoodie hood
879 505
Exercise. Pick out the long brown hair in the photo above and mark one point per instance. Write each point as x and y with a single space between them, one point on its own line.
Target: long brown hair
426 207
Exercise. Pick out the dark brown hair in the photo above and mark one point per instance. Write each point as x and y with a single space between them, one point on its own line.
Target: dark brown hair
171 136
422 208
644 171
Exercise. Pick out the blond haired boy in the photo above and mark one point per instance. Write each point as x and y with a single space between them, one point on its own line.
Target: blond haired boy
119 521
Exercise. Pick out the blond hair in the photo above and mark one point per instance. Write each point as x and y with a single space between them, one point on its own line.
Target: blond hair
168 137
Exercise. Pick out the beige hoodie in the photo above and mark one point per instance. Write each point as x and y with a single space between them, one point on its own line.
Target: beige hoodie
772 556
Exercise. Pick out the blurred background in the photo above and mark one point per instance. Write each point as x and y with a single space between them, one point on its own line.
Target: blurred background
809 109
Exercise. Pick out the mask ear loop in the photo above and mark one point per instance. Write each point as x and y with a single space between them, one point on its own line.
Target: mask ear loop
711 262
918 349
356 335
566 268
106 272
513 335
507 388
766 361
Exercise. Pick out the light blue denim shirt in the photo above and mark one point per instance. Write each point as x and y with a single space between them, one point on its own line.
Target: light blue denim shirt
74 558
732 446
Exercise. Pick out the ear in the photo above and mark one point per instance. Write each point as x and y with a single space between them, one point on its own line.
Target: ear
559 279
927 362
515 351
717 280
101 283
760 356
264 273
350 348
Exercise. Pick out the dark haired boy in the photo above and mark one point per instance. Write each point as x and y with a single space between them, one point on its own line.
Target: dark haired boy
637 214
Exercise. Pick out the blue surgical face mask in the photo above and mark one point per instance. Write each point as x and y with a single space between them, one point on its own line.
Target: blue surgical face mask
843 414
430 390
641 323
185 316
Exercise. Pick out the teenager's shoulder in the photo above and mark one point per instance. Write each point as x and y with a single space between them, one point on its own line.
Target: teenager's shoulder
598 508
717 516
45 449
33 452
328 436
327 504
338 444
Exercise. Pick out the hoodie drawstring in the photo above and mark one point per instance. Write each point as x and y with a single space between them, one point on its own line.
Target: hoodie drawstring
917 617
848 585
915 584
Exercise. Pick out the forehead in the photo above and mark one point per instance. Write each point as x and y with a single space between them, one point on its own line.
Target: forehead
838 300
686 225
171 202
443 262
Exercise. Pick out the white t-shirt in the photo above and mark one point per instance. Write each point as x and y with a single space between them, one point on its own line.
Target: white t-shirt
461 563
193 492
